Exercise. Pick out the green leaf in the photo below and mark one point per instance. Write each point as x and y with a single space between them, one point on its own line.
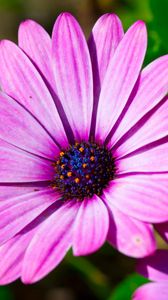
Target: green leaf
160 19
5 293
155 46
126 288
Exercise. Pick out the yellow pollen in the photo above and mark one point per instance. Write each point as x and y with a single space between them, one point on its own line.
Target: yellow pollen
61 177
81 149
92 158
69 174
58 162
87 176
84 166
62 166
62 153
77 180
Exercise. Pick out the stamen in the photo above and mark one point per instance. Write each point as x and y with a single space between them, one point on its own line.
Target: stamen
82 170
77 180
62 153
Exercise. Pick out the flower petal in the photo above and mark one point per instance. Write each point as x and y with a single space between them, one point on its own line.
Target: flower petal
130 236
154 160
13 251
103 41
11 257
151 87
20 79
120 78
19 211
36 43
90 227
19 128
50 244
155 267
162 228
140 196
12 190
73 74
19 166
151 291
153 127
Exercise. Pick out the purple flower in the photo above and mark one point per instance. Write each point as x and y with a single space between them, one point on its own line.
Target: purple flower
83 139
154 267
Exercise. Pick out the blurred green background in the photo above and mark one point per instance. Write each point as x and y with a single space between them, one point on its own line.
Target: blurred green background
106 274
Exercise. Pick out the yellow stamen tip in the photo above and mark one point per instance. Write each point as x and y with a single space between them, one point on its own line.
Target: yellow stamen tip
92 158
81 149
77 180
62 153
87 176
69 174
62 166
61 177
84 166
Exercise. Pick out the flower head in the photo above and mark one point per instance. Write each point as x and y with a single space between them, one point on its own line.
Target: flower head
83 144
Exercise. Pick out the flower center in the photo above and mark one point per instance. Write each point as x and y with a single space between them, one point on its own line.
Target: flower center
83 170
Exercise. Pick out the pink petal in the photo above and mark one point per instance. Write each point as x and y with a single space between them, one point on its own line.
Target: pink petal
120 78
36 43
154 160
104 39
140 196
91 226
19 166
20 79
151 87
73 74
151 291
13 251
50 243
8 190
19 128
19 211
130 236
11 257
162 228
155 267
154 127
